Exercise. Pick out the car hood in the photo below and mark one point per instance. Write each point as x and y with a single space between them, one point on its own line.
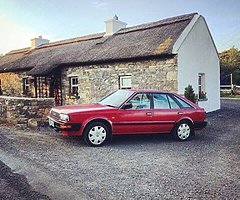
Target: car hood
81 108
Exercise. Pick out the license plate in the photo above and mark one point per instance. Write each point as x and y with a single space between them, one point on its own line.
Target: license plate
51 122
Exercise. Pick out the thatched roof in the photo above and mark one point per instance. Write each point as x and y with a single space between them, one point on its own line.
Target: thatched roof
146 40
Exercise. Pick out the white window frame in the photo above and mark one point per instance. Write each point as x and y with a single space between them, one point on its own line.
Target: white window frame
26 84
72 85
121 82
201 83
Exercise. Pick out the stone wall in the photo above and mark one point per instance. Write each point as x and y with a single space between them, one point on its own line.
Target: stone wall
25 112
95 81
12 84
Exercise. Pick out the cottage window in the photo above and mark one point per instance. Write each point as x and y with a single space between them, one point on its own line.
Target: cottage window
73 85
125 82
26 85
201 86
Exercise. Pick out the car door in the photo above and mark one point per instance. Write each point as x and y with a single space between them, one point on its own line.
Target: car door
166 112
137 119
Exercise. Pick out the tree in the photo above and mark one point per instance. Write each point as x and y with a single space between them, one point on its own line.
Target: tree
230 64
189 94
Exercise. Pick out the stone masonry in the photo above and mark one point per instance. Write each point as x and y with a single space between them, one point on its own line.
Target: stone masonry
25 112
12 84
96 81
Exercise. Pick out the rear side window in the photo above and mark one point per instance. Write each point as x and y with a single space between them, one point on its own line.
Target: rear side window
181 103
168 101
173 103
160 101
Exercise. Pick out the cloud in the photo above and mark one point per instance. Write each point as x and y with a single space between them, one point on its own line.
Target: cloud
13 36
101 5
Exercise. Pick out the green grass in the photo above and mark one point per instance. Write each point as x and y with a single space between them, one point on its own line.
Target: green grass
228 95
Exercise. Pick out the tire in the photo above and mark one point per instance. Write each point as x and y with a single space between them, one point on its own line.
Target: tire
183 131
96 134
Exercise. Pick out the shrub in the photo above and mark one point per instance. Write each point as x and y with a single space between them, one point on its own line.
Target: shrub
189 94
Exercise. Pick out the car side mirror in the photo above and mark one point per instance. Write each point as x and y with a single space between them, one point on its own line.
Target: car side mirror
127 106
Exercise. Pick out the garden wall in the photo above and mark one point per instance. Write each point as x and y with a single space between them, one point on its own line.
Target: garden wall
25 112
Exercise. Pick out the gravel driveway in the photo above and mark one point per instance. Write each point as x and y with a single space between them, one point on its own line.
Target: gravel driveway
132 167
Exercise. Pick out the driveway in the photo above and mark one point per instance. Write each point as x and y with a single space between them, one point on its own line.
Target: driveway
132 167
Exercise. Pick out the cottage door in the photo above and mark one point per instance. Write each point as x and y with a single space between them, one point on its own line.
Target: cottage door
56 89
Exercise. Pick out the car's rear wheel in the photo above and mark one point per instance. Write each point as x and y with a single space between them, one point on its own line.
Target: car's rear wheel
183 131
96 134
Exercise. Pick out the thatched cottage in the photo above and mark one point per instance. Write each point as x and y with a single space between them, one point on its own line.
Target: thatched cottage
167 55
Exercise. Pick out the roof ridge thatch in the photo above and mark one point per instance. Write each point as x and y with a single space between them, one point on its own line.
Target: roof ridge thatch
57 43
16 51
73 40
163 22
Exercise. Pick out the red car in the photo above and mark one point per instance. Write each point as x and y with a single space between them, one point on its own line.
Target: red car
129 112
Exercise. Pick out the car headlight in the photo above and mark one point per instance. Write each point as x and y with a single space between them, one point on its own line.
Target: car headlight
64 117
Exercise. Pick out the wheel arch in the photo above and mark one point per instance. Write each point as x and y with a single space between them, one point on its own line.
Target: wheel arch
102 120
189 120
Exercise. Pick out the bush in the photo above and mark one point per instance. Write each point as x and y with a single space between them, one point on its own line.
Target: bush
189 94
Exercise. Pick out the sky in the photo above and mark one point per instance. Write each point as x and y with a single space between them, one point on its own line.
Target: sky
23 20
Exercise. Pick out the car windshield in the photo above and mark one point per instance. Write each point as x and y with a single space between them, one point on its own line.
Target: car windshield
117 98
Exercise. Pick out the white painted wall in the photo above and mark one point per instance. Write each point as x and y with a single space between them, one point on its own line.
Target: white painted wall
197 54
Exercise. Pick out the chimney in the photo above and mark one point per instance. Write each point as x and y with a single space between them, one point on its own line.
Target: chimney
113 25
36 42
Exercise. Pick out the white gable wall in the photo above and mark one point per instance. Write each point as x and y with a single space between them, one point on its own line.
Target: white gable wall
197 54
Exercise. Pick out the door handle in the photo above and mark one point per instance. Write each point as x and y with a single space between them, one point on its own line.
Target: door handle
180 113
149 114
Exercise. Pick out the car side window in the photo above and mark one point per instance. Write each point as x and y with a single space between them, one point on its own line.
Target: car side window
182 103
140 101
160 101
173 103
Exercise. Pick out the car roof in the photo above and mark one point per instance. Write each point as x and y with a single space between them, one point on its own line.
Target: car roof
150 90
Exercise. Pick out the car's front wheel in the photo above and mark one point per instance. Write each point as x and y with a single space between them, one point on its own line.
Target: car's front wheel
96 134
183 131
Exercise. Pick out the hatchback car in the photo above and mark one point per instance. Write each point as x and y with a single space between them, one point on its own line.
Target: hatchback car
129 112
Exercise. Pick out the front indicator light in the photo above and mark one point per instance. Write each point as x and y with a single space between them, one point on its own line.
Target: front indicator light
64 126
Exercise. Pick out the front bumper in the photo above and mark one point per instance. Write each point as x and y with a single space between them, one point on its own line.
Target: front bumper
200 125
61 126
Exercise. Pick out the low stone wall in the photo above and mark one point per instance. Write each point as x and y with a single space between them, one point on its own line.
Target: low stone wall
25 112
